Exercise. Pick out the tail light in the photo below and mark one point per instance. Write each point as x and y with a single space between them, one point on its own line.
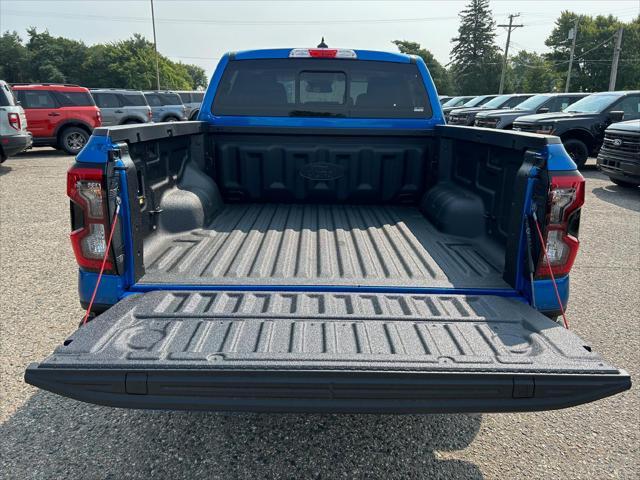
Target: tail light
322 53
89 217
99 118
566 196
14 121
150 114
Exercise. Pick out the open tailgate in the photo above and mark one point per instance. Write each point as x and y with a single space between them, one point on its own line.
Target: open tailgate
326 352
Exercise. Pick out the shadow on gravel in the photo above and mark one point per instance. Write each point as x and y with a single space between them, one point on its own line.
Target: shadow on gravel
4 169
54 437
628 198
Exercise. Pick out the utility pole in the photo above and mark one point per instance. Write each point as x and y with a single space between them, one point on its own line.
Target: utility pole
509 27
573 33
155 46
614 63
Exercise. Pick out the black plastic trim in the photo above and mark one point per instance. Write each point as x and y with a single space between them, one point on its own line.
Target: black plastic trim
334 132
334 391
150 131
503 138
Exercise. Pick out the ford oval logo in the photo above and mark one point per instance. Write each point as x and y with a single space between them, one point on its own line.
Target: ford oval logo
617 142
322 172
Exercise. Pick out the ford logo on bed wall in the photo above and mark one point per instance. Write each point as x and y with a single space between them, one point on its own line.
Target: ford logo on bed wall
322 171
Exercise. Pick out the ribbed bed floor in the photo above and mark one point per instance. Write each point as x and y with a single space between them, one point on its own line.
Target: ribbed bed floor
289 244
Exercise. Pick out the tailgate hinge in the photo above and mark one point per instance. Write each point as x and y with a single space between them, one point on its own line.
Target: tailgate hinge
524 387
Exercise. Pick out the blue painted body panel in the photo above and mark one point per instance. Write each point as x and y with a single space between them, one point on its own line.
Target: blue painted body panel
113 287
558 159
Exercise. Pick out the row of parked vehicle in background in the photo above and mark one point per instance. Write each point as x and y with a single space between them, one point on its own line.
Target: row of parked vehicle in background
63 115
606 124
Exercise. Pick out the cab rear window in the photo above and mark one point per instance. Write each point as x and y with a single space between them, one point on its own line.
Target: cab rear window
322 88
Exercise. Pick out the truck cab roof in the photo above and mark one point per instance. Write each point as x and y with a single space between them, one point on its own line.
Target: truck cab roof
287 53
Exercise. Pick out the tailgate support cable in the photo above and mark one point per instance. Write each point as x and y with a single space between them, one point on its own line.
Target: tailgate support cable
553 278
104 261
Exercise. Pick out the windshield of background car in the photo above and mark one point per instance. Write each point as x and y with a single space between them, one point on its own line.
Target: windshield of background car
592 104
476 101
497 102
322 88
453 102
533 103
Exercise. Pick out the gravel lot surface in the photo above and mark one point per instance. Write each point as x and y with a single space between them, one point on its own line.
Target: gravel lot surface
49 437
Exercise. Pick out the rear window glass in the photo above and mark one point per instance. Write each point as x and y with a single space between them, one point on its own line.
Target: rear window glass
75 99
185 97
133 100
322 88
36 99
170 99
106 100
153 99
6 96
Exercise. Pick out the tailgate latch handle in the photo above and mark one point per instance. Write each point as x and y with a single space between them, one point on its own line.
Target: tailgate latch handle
523 387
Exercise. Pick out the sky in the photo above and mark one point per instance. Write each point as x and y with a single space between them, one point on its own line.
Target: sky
199 32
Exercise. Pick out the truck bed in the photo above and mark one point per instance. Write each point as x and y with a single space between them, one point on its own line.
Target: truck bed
304 244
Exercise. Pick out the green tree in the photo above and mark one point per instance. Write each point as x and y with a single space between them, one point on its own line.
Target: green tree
125 64
197 74
531 72
54 59
594 51
440 75
15 58
476 59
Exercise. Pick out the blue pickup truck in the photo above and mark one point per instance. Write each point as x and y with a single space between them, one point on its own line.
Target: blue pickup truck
320 241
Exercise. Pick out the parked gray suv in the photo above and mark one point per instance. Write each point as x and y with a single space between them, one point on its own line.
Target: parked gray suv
192 101
119 107
14 137
166 106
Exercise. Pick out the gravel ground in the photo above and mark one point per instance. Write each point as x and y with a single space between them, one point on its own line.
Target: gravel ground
49 437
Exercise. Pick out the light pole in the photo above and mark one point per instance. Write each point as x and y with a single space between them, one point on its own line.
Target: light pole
155 46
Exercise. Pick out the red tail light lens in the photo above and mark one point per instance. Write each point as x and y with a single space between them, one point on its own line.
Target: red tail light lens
566 197
14 121
150 114
85 188
99 117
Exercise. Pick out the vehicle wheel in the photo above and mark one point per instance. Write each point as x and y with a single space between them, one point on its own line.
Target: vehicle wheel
130 122
73 139
577 150
171 119
624 184
194 115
